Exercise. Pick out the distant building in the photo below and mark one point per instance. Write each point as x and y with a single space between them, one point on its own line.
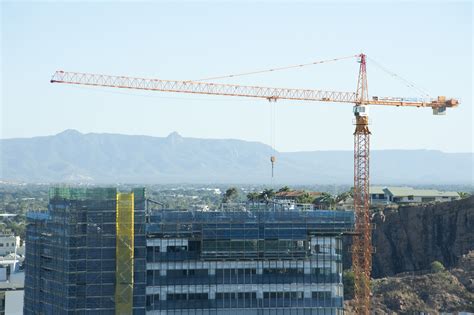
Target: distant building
345 204
11 288
293 195
400 195
410 195
377 195
14 302
9 243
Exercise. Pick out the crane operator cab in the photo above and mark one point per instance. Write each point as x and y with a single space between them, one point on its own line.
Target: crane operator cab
361 110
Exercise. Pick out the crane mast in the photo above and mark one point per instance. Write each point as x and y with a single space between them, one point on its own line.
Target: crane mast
362 240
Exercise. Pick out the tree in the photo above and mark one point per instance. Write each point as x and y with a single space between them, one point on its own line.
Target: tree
351 192
348 282
253 197
327 200
266 195
344 196
305 198
284 189
437 266
464 195
230 195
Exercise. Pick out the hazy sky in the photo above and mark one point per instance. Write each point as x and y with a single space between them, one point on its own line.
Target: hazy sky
429 44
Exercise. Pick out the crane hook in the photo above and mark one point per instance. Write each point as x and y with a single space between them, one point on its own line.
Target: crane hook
273 160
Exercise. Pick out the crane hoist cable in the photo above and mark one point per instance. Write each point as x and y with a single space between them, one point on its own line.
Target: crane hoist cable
423 92
273 69
272 135
272 101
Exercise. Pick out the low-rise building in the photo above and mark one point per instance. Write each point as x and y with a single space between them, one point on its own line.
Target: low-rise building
411 195
400 195
377 195
12 281
8 244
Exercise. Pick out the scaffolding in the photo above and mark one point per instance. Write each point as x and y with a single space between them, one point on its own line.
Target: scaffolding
124 254
86 254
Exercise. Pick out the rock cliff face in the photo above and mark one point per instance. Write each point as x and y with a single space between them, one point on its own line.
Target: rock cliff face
433 293
410 238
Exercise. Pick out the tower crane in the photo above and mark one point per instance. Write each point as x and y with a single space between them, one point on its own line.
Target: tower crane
362 240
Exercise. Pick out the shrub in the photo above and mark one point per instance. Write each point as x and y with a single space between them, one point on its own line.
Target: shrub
348 281
437 266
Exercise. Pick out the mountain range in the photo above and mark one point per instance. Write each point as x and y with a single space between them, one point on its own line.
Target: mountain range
72 157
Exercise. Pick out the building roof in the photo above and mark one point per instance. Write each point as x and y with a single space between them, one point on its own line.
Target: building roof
409 191
296 193
376 190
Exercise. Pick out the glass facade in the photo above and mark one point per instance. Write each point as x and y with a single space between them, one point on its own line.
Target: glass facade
250 261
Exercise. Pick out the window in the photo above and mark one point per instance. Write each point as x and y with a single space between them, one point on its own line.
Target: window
239 272
280 295
1 244
296 295
321 271
322 248
410 198
250 295
197 296
177 249
321 295
283 271
152 299
176 296
194 246
187 272
225 296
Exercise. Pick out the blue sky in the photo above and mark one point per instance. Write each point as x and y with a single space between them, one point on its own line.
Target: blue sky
429 44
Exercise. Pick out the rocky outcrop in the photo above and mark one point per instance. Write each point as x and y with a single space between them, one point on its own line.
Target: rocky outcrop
433 293
411 238
407 241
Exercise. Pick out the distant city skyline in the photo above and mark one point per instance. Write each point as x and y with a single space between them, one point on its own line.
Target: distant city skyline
197 40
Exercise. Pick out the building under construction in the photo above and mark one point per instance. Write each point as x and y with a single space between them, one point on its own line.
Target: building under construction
90 254
86 254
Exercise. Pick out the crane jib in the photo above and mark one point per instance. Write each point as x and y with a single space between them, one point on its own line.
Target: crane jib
270 93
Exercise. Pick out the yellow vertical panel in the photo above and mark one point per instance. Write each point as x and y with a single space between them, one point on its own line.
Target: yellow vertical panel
124 254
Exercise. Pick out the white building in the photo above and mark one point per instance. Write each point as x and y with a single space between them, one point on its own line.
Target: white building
399 195
11 288
377 195
8 244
